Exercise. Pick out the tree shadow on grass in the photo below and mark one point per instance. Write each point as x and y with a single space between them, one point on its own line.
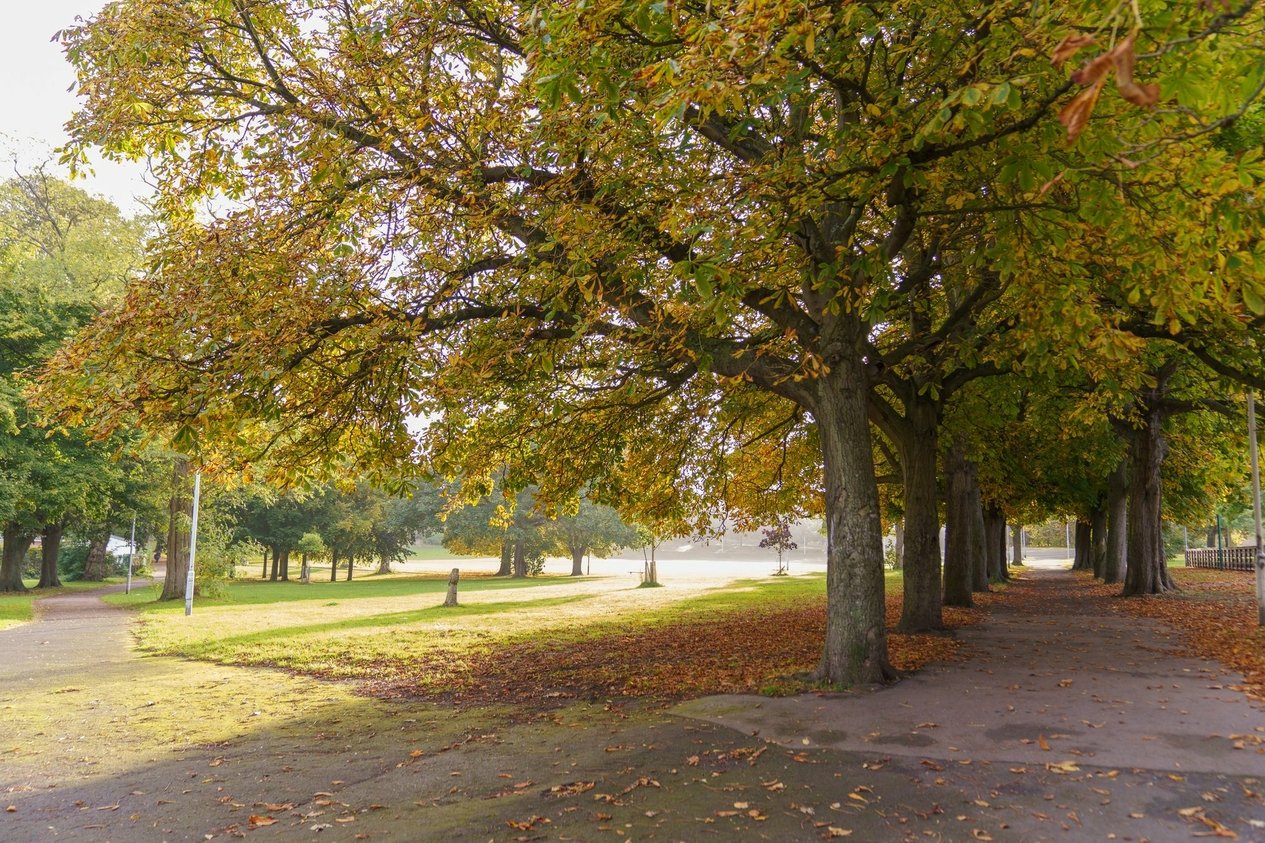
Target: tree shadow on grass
387 619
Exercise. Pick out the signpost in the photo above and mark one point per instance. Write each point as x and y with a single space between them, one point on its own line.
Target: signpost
193 544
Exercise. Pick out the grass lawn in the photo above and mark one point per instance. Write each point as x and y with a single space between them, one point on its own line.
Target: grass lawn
355 629
20 608
428 552
546 638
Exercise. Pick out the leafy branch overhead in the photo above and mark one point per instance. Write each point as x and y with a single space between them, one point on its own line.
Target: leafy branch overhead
1093 74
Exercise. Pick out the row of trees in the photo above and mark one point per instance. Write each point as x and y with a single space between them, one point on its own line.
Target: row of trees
64 257
681 257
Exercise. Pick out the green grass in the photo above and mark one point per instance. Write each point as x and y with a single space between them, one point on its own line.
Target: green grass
426 552
20 608
244 592
378 626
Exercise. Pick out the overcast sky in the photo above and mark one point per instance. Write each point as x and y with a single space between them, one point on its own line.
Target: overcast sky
34 102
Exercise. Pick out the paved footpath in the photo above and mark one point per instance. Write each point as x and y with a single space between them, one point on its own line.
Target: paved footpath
100 743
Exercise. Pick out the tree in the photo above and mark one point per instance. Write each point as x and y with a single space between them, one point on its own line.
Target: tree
595 529
567 233
512 526
778 537
63 255
310 545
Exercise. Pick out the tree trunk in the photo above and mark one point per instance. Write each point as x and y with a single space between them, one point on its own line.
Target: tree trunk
454 576
995 543
520 559
284 564
856 634
264 574
384 565
1212 536
979 538
507 559
1083 555
1117 524
959 521
1017 535
577 560
94 566
333 566
921 602
180 519
276 563
1001 544
305 573
50 549
898 544
16 543
1098 540
1147 571
351 567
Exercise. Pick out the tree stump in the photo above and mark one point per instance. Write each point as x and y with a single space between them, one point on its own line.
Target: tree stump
451 599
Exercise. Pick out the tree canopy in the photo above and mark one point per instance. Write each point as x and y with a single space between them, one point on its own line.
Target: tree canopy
624 243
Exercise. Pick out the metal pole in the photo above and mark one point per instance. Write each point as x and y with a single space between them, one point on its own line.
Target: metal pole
1256 508
131 554
193 544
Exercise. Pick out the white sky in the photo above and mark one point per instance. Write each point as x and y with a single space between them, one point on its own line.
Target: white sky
34 102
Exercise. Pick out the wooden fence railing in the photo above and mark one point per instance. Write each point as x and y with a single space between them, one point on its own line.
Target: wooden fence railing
1226 559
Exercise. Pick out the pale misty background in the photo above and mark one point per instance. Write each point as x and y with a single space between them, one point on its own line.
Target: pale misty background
35 102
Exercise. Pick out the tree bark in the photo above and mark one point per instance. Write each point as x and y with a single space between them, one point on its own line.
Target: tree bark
1117 524
17 542
305 572
454 576
351 567
898 543
979 538
50 550
958 566
1147 571
507 558
520 559
384 565
276 563
284 564
264 574
856 634
1082 559
1001 547
1016 532
577 560
921 602
1212 536
995 543
333 566
1098 540
94 566
180 517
